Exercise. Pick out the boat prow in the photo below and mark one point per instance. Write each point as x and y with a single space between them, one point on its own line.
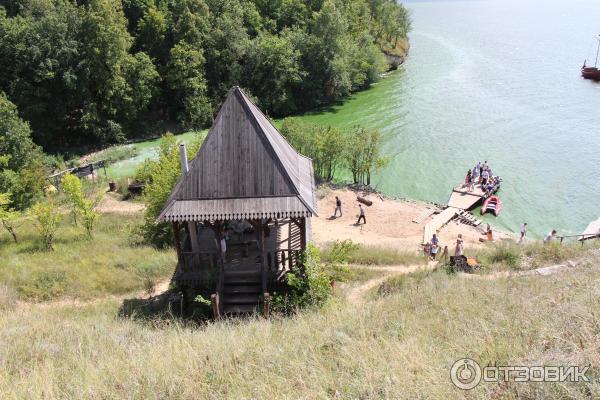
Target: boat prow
492 204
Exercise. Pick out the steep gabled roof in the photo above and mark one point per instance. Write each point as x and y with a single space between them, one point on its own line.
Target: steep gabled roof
248 166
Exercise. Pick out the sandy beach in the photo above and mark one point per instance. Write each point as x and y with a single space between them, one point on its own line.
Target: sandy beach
389 223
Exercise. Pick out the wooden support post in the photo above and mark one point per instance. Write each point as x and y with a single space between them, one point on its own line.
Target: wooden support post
303 233
266 305
177 240
193 237
263 257
214 302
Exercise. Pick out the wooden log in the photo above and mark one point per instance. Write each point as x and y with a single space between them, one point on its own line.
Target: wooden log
364 201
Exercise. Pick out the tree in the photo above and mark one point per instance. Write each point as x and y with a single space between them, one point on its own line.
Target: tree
80 206
71 186
186 80
22 169
47 217
364 154
8 216
272 71
160 176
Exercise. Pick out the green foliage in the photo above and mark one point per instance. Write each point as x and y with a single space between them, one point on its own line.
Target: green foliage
22 169
310 285
91 72
80 206
160 176
358 149
363 156
186 80
8 215
47 217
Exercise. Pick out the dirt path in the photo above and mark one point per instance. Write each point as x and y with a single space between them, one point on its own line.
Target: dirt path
110 203
356 294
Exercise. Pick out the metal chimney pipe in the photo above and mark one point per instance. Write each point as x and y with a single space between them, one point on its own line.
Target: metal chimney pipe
184 161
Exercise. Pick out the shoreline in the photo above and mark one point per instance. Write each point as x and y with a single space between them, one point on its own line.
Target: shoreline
390 221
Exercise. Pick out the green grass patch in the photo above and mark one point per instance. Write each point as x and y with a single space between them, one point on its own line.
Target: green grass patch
115 153
375 255
80 267
401 346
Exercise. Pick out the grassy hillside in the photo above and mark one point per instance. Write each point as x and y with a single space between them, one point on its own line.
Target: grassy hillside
79 267
399 345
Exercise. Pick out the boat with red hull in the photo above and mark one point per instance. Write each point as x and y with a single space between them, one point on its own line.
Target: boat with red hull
592 73
492 204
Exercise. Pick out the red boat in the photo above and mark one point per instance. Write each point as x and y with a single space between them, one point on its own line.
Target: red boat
492 204
592 72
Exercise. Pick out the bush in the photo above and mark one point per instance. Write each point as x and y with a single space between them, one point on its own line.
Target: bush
80 206
47 218
310 285
160 176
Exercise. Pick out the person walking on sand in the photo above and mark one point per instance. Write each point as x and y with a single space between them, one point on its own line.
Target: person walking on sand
361 216
523 232
458 251
551 235
434 246
338 206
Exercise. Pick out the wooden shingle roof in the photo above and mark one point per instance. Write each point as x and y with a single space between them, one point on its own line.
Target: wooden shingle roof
244 169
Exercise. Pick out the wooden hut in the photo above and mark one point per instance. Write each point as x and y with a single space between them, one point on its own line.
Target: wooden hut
241 210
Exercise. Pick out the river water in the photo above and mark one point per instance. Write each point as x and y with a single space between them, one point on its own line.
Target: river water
496 81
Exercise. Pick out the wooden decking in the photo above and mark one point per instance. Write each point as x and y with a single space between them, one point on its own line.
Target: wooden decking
460 201
592 231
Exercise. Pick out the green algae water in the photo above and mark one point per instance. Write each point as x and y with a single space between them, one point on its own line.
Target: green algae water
494 80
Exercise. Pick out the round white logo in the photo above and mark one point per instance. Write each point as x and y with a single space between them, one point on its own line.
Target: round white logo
465 374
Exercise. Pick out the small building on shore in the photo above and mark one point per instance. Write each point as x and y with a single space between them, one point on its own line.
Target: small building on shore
241 210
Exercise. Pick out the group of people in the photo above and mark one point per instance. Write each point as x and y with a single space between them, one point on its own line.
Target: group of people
482 175
361 211
432 248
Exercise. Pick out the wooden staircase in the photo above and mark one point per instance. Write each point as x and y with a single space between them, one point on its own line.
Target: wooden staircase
242 290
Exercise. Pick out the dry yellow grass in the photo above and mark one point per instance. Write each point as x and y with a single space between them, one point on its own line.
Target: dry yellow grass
399 346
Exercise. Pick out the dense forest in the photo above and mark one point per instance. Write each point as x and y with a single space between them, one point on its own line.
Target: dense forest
84 73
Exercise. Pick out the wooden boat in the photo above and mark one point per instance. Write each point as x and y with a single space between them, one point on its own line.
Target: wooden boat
492 204
592 73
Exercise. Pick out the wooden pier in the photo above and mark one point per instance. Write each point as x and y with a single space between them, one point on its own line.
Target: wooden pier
592 231
460 201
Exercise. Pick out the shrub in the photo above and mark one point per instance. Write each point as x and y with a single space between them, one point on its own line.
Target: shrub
160 176
47 217
310 285
8 215
507 254
80 206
